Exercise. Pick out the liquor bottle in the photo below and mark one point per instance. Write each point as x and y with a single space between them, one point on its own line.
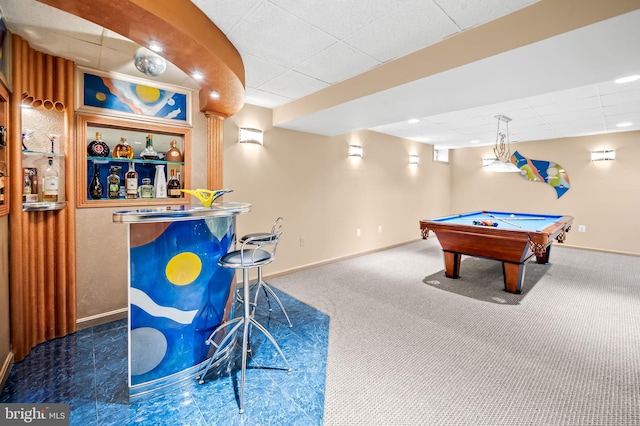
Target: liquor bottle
160 182
146 189
174 153
113 181
123 149
95 187
149 153
131 182
98 147
26 187
173 186
50 182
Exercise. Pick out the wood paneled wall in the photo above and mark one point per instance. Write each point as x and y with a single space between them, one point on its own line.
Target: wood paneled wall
42 243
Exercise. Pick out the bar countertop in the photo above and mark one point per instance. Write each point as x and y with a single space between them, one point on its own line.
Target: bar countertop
177 213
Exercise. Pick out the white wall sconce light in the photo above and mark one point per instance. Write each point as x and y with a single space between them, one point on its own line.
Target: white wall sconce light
605 155
413 159
250 135
355 151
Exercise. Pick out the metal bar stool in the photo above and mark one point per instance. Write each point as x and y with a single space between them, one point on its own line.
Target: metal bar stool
254 253
260 284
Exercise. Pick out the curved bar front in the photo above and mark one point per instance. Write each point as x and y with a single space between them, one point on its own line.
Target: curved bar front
177 292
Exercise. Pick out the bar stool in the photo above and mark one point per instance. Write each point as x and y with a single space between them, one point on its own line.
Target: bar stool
254 253
260 284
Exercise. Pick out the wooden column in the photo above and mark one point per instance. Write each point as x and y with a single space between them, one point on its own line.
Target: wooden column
215 146
42 243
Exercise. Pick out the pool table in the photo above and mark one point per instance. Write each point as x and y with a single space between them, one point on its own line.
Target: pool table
512 238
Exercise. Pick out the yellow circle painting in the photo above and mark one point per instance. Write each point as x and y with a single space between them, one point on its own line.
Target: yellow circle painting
147 94
183 268
101 96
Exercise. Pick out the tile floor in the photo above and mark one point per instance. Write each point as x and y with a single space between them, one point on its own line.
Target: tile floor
88 370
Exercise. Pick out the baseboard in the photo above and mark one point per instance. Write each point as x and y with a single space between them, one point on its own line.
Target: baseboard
6 369
103 318
626 253
337 259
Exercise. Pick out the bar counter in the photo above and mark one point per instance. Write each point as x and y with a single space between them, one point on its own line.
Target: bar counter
177 292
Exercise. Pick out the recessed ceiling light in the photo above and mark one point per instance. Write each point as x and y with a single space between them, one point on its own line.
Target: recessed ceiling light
624 124
628 79
214 94
414 121
474 141
155 46
197 76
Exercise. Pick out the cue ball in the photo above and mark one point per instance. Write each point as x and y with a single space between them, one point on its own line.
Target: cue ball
513 215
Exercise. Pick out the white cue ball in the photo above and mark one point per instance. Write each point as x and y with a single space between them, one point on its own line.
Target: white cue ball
513 215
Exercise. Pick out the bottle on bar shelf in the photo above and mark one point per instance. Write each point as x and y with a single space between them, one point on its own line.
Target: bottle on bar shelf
113 182
95 187
149 153
173 186
98 147
50 182
146 189
160 182
174 153
131 182
123 149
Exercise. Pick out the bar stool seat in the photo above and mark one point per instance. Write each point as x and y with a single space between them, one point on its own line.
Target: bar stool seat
260 284
254 253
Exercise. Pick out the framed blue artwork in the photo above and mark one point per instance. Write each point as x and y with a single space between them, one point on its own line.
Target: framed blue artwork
122 95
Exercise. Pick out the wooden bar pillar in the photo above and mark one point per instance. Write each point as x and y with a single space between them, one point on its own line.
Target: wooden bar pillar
215 145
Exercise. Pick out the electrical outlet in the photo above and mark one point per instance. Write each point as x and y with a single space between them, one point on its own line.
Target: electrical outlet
301 241
358 232
379 229
582 228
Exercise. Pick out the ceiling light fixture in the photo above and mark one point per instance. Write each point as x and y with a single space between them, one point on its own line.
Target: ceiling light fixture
628 79
197 76
502 148
214 94
624 124
414 121
149 63
155 46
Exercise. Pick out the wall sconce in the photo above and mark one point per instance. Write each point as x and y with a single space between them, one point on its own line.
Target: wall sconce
355 151
249 135
603 155
413 159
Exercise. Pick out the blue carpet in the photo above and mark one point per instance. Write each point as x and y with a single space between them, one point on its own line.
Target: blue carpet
88 370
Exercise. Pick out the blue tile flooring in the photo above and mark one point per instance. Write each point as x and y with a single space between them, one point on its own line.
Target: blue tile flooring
88 370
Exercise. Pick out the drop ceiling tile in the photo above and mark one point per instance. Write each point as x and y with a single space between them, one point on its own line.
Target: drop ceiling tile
563 95
341 18
626 108
470 13
569 105
612 87
404 31
225 13
620 98
337 63
293 85
259 71
265 99
289 43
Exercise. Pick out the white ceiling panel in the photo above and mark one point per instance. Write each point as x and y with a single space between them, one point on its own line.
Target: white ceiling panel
293 85
336 63
469 13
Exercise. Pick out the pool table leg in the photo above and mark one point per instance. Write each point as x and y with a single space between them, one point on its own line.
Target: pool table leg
452 264
513 276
